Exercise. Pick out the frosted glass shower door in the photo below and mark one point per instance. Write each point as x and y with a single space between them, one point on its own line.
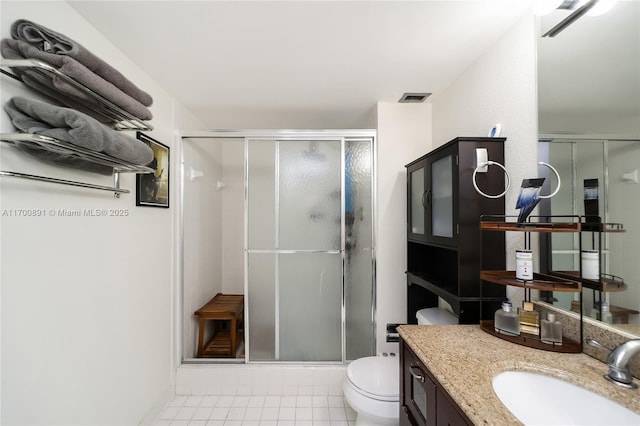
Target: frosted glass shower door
294 220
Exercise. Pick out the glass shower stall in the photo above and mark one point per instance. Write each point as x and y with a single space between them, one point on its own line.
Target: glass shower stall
308 252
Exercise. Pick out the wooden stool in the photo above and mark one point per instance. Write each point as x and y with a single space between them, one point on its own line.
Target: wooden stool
223 307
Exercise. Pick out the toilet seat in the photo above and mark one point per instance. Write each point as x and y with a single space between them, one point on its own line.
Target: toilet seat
376 377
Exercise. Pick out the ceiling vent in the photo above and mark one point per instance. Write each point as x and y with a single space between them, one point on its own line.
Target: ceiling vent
413 98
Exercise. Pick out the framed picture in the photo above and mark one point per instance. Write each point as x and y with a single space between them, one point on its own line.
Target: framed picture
152 189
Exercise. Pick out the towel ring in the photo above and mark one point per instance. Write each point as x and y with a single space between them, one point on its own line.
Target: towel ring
506 174
555 172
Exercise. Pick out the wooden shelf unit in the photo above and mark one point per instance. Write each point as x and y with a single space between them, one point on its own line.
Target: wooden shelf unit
531 340
542 282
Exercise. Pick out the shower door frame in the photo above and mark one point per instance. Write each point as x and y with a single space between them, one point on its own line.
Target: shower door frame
284 135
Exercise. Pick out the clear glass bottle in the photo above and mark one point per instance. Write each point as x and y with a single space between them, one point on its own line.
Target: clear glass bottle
605 315
551 330
506 321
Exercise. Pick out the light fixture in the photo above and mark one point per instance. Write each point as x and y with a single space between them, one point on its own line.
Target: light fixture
581 8
545 7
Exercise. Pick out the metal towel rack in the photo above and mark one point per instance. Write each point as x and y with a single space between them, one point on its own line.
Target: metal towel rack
46 142
124 120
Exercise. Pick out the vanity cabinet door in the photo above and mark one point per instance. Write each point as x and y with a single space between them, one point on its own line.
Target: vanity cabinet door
448 414
418 403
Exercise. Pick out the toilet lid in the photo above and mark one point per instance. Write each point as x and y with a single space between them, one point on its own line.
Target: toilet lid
376 376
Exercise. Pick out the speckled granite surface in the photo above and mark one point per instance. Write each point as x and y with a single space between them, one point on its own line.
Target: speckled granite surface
464 359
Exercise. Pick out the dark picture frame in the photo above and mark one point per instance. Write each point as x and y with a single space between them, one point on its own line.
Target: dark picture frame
152 189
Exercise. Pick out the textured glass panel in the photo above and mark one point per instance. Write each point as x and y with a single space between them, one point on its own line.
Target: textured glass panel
358 249
262 309
309 195
417 208
310 301
442 198
262 194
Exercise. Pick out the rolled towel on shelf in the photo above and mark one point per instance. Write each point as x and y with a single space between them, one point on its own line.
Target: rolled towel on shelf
17 49
51 41
74 127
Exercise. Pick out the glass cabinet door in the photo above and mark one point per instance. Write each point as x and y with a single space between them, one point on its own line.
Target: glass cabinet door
442 197
417 202
441 213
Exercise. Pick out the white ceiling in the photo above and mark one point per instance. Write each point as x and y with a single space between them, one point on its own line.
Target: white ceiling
300 64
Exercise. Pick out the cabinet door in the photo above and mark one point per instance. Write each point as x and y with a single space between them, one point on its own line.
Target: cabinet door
441 199
416 201
448 414
418 390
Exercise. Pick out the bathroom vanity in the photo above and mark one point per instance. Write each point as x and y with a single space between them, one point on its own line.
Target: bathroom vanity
423 400
458 364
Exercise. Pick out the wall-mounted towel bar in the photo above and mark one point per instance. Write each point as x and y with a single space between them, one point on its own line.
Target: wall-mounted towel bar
45 142
64 182
124 120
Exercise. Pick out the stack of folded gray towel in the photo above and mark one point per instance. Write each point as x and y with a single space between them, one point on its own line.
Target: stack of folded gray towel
32 41
73 127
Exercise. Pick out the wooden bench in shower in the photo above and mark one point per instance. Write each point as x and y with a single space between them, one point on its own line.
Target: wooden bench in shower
223 307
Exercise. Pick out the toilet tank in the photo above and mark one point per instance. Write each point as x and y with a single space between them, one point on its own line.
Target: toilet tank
435 316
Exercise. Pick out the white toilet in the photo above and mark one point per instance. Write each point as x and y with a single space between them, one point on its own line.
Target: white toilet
371 387
435 316
372 384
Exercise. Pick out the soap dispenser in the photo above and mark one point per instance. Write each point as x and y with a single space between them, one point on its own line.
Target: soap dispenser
551 330
506 321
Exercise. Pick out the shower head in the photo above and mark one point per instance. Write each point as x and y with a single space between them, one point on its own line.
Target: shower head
313 152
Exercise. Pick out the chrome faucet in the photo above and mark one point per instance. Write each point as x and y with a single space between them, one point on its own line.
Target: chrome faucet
619 360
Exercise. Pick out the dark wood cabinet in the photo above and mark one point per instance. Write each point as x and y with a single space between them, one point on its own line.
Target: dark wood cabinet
423 402
443 237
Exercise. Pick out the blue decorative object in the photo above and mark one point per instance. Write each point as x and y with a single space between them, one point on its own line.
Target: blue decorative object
529 197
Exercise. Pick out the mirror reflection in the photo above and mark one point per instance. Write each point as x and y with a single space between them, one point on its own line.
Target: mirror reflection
589 126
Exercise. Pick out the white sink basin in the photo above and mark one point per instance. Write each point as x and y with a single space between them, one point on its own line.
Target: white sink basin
536 399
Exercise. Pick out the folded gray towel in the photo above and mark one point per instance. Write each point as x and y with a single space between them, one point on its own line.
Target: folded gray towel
90 110
17 49
51 41
68 125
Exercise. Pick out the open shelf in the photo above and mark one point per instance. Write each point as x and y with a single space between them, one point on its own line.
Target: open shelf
532 341
122 119
530 226
603 227
71 151
540 281
608 283
220 345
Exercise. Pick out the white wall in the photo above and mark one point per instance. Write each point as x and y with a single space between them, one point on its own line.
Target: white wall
233 217
500 87
87 302
202 234
404 134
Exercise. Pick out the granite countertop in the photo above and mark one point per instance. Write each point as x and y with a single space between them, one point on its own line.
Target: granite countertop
464 359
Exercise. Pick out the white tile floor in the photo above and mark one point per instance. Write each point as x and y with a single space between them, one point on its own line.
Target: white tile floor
257 411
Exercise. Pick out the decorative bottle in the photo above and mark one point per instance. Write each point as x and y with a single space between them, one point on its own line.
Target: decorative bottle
606 315
551 330
506 321
529 319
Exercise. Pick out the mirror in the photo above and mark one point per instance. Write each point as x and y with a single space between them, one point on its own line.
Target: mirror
589 127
